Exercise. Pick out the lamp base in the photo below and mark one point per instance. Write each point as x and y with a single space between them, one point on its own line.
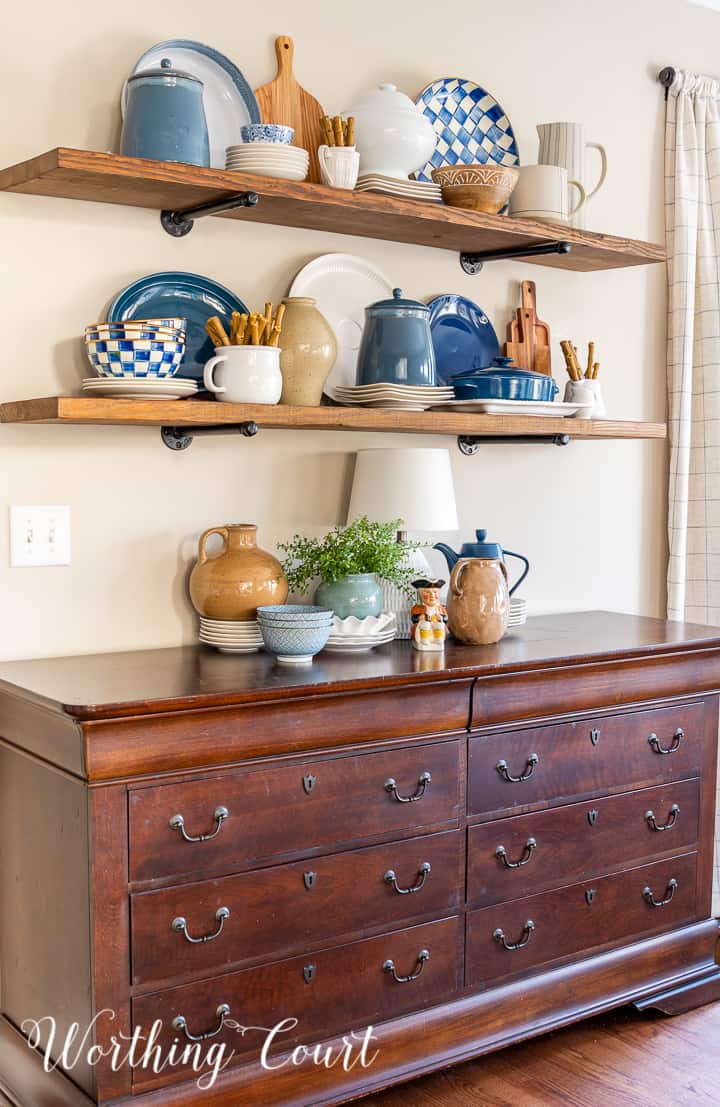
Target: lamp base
397 601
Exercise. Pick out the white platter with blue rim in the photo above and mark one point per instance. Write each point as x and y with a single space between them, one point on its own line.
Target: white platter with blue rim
228 100
471 126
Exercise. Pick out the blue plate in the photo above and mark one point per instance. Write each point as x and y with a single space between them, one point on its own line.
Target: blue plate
462 335
471 126
186 295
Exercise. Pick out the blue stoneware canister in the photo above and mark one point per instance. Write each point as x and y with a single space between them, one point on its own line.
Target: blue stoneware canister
165 118
396 346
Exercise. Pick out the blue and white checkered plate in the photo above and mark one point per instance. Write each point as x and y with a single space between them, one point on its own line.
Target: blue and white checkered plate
471 126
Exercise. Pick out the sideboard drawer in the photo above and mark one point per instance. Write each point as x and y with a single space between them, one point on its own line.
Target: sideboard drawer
282 910
328 992
510 858
556 762
282 810
570 920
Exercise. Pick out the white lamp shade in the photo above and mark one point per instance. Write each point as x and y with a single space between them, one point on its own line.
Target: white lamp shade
415 485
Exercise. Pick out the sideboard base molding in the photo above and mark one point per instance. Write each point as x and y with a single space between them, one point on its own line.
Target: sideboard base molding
684 997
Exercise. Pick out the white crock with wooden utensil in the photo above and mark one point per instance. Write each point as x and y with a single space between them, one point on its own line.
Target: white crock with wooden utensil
564 144
542 193
285 101
339 166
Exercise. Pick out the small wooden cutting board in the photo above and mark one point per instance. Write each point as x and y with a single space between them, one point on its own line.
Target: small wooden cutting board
285 101
528 337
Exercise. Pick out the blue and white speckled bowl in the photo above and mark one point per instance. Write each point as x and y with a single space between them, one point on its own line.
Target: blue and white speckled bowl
294 645
267 132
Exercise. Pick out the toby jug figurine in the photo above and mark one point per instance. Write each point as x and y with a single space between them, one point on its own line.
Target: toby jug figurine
428 617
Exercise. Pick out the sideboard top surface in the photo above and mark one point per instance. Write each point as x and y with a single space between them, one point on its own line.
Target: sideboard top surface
114 685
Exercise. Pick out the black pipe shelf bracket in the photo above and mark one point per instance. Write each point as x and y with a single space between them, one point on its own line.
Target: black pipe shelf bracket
473 263
180 223
469 444
180 438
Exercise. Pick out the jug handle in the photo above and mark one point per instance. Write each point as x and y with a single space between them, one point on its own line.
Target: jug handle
222 531
526 570
455 578
603 166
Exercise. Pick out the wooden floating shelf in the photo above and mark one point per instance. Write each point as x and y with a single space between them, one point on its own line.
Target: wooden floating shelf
198 413
111 179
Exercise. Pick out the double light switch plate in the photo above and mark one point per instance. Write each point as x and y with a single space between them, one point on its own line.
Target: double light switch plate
39 536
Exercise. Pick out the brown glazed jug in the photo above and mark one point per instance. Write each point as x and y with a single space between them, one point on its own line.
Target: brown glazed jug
234 582
478 603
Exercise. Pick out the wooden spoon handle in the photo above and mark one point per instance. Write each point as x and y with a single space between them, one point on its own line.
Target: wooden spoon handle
284 51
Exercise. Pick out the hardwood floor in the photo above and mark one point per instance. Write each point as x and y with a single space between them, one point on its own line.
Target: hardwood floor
622 1059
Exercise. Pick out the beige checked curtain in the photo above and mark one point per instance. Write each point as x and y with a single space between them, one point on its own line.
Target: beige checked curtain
692 217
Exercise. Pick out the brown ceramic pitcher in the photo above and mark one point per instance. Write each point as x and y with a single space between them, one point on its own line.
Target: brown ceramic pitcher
233 583
478 603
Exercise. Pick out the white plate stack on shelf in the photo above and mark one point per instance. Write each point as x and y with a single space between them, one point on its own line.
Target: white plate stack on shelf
269 159
402 397
353 635
518 611
231 636
393 186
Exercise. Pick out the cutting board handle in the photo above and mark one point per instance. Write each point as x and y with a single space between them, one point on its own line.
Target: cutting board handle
529 297
284 51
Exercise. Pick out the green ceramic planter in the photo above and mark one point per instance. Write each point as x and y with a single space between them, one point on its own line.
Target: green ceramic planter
357 594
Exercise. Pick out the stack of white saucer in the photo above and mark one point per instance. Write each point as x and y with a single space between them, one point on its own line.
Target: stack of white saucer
518 611
393 186
231 636
269 159
403 397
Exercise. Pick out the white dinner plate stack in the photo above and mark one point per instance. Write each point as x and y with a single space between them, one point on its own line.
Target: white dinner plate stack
403 397
392 186
353 635
231 636
518 611
269 159
140 388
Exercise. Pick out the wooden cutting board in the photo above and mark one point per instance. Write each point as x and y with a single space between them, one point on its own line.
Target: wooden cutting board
529 337
285 101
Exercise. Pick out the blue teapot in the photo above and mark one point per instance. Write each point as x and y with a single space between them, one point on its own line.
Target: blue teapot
484 549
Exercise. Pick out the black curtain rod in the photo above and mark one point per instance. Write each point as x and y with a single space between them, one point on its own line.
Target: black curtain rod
666 77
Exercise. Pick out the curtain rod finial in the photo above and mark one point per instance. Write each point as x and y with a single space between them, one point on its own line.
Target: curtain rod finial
666 77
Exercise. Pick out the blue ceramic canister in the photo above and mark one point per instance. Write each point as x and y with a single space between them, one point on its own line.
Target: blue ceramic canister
396 346
164 118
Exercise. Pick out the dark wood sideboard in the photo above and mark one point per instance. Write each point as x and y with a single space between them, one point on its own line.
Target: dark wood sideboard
461 850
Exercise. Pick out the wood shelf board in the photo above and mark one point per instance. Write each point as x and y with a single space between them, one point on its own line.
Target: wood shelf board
109 178
189 413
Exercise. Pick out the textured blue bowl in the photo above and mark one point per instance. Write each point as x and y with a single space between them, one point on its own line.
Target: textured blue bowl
267 132
294 614
294 643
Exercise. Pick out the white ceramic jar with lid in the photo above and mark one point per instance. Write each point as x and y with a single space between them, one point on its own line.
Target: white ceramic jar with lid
392 135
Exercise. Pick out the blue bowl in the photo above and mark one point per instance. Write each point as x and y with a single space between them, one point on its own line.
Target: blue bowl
267 132
294 614
294 645
503 381
140 358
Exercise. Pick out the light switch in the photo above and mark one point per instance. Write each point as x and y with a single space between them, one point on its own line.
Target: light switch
39 536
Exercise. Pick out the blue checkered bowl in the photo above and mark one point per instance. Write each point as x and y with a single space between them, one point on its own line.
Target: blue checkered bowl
135 358
133 331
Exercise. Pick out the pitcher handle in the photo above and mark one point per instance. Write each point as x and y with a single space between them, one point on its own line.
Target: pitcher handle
526 570
455 578
603 166
322 159
583 196
202 552
208 379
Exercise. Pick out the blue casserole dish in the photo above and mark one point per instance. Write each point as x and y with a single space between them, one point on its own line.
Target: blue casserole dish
503 381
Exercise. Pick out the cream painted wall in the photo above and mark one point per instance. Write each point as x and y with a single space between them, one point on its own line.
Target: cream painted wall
591 517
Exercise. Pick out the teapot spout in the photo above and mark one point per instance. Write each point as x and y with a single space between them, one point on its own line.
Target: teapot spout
450 556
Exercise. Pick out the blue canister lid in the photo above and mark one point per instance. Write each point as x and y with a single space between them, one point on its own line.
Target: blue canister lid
483 548
398 303
165 70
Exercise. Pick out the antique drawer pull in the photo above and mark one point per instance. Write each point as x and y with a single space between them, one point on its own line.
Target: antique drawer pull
422 957
672 819
220 814
525 775
180 1023
423 871
669 893
499 936
423 781
677 739
501 854
180 926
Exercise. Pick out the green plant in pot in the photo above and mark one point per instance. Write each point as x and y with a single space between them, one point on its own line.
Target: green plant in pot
350 562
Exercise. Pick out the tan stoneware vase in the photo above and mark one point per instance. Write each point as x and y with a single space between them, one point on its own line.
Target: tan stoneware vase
478 603
234 582
308 352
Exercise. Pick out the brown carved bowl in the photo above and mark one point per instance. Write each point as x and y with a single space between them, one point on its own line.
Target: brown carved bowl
484 188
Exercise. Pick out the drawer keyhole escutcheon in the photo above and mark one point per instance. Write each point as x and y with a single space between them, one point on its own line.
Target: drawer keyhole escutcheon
180 1023
423 781
593 816
499 936
669 893
423 873
525 856
309 783
590 894
179 925
674 745
422 957
309 973
671 819
527 772
595 735
309 880
220 814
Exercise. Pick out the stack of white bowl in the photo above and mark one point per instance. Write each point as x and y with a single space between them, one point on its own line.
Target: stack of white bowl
268 159
231 636
518 611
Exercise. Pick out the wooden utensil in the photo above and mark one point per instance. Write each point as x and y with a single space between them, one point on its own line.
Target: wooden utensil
528 337
285 101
